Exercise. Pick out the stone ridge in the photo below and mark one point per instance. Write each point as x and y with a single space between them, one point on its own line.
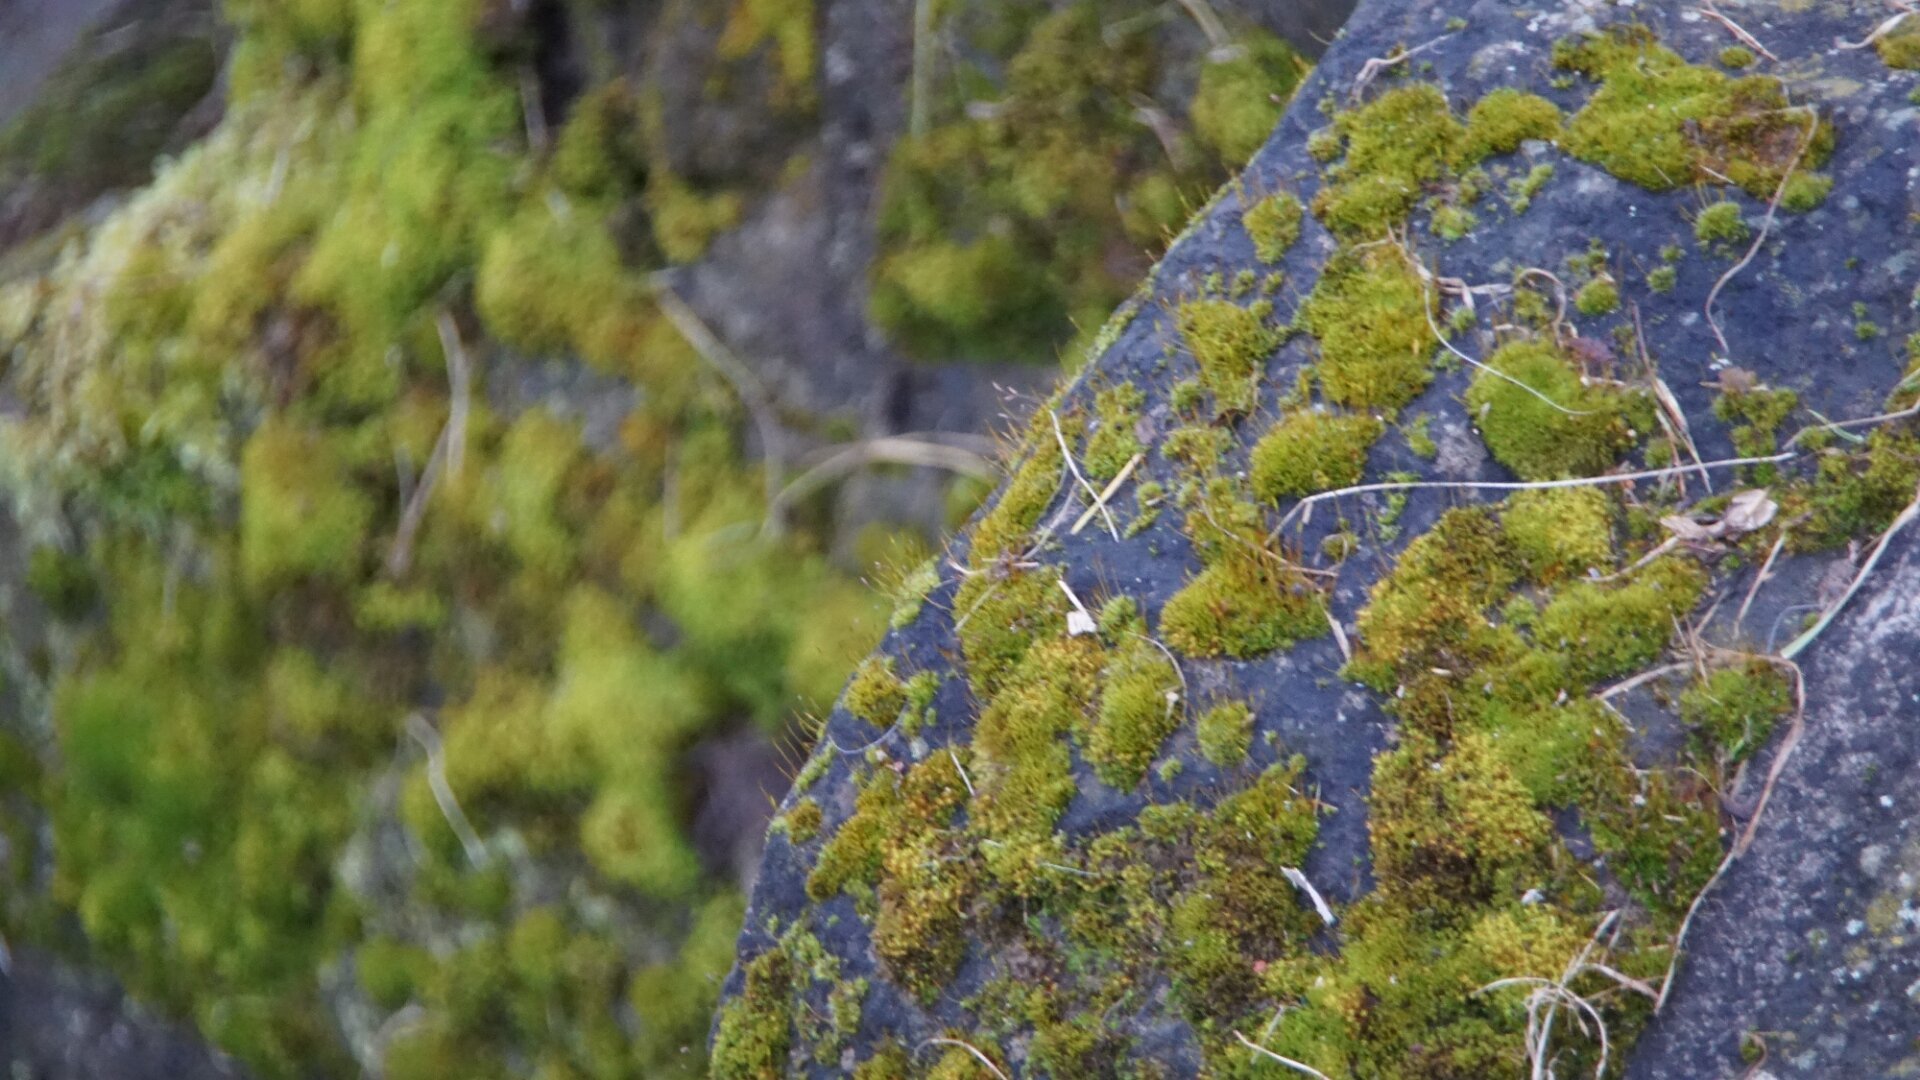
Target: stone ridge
1238 769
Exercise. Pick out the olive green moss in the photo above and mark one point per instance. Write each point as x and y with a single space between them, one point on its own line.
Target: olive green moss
1241 94
1560 533
1853 493
1499 122
1737 57
1901 48
1663 123
1372 315
802 823
1393 147
1757 414
755 1031
999 233
1022 766
1115 439
1274 225
1597 297
1734 709
1308 452
876 694
1140 705
1231 344
1522 189
1662 279
1225 732
1244 605
1721 224
1580 429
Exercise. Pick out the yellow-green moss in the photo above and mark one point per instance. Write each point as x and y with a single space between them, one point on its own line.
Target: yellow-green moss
1597 297
1505 118
1140 705
1606 631
1662 279
300 514
1721 223
1022 767
1311 451
1244 605
755 1032
1737 57
1115 440
1560 532
1395 145
802 823
1231 344
1428 609
1008 527
1854 493
876 694
1370 312
1734 709
1274 225
1003 617
1242 93
1901 48
1582 432
1225 732
1663 123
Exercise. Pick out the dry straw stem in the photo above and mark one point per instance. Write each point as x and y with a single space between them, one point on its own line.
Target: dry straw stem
1296 1066
1066 455
1100 502
934 451
1891 24
449 450
1736 30
745 385
429 740
1766 225
971 1049
1381 64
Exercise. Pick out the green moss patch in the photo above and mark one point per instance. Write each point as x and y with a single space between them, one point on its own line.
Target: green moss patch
1140 705
1244 605
1663 123
1734 709
1115 439
1560 533
1505 118
1901 48
1231 344
1225 733
1394 146
1274 225
1371 311
1580 429
1308 452
876 694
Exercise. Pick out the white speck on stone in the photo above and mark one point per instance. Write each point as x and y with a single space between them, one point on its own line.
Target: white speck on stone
1913 990
1886 801
1872 858
1856 927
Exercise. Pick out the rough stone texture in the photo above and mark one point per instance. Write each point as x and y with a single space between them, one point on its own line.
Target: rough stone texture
1786 944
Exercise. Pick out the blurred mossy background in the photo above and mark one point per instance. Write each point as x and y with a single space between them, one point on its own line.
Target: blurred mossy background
359 448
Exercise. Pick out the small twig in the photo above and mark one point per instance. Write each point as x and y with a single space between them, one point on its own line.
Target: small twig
460 386
1100 504
1373 67
429 740
969 1048
1639 680
1754 589
1766 227
1885 28
1296 1066
1532 485
886 450
400 554
963 773
1798 645
1299 880
1737 30
745 385
1073 467
1210 24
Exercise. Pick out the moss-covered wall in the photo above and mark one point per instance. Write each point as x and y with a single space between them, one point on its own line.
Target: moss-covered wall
1419 689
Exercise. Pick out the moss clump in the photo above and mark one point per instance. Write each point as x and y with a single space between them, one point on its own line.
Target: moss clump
1737 57
1022 768
1756 414
1521 190
1721 223
1115 439
755 1031
1662 279
1582 432
1597 297
1225 732
1453 222
1140 705
1008 527
1560 532
802 823
1231 344
890 814
1427 613
1854 493
1244 605
1734 709
63 582
1901 48
1311 451
1606 631
1663 123
1274 225
1395 145
1505 118
876 694
1372 316
1241 95
1003 618
301 515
